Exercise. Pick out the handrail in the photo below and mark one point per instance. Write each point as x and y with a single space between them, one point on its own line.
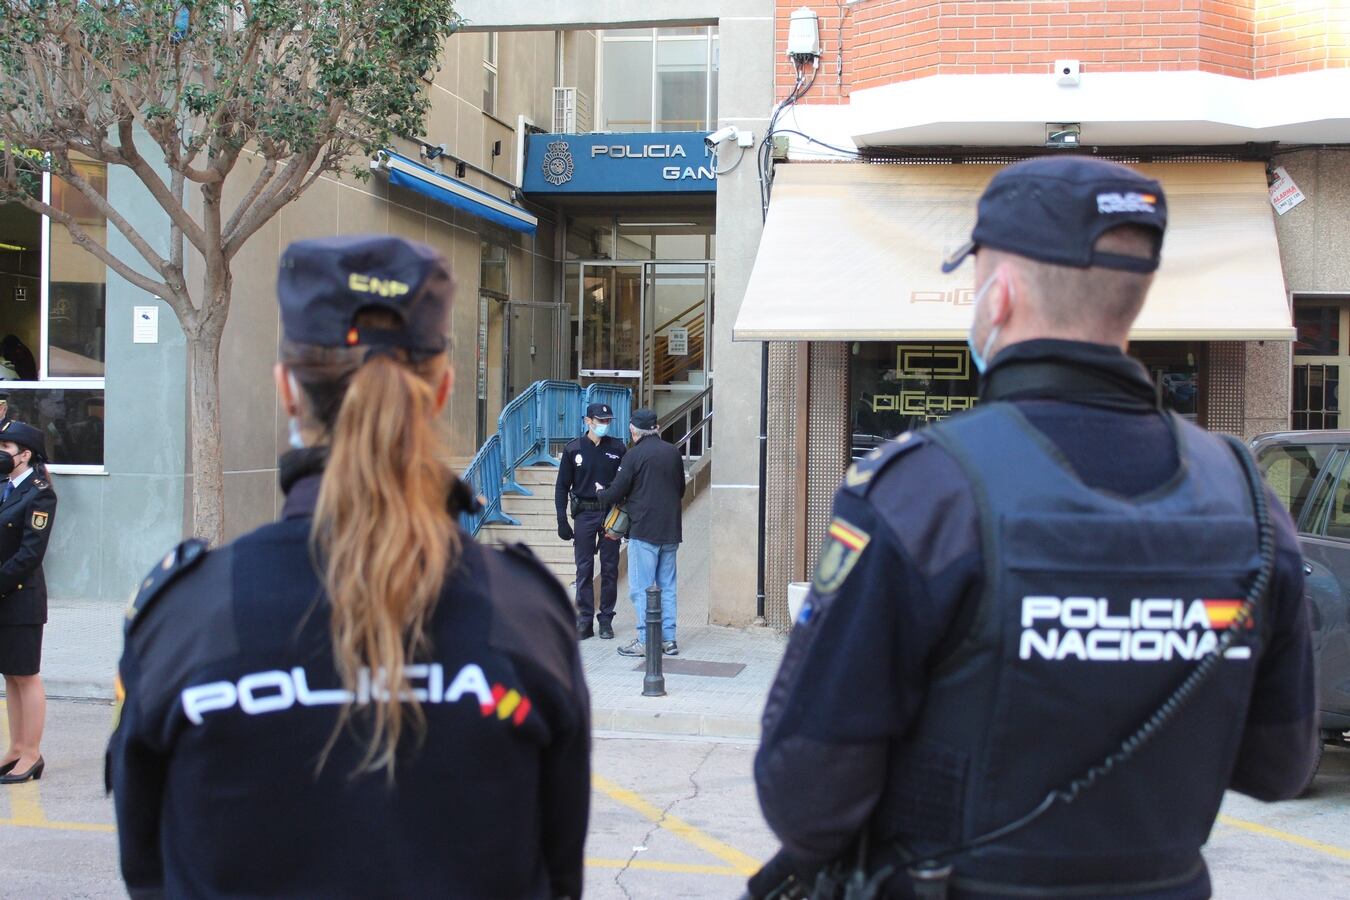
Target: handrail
679 316
544 413
703 427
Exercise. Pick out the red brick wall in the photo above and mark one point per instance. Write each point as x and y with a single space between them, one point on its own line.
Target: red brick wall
886 41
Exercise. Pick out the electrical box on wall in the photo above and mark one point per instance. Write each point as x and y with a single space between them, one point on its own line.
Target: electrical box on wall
1068 72
803 34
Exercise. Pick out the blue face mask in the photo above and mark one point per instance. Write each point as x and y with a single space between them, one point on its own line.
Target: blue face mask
600 429
978 355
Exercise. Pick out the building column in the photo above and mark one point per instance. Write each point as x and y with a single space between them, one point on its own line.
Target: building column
744 99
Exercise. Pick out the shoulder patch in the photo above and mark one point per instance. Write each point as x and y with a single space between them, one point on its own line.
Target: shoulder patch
858 478
42 485
181 559
844 546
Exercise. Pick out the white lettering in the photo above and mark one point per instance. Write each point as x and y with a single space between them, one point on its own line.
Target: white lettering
470 680
1146 645
253 704
1034 608
1043 646
670 173
1079 612
1196 615
413 692
1157 613
1071 645
317 698
204 698
1097 651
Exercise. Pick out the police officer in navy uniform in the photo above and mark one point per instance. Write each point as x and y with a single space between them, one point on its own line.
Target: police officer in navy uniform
1005 596
587 461
27 511
358 700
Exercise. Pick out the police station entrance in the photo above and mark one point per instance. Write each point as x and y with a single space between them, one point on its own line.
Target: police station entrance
643 325
638 279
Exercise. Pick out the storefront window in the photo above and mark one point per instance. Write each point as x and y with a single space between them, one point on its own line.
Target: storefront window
52 320
898 387
1174 369
1317 401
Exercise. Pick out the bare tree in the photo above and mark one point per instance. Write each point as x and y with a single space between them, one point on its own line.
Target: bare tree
176 92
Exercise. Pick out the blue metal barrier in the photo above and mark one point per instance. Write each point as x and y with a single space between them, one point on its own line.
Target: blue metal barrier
484 475
544 414
560 412
518 426
620 399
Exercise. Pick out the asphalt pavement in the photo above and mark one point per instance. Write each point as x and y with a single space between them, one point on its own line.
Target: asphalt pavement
671 817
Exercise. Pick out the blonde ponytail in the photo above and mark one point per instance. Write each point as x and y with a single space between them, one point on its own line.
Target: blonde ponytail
382 533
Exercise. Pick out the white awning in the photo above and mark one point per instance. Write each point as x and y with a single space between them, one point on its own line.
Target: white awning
852 251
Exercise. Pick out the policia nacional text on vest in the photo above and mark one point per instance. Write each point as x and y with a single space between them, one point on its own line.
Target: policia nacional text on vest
1087 596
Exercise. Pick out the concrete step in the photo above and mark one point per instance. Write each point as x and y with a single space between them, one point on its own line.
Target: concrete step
539 504
535 531
537 476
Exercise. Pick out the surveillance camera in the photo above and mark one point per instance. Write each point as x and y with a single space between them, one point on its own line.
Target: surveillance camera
434 151
720 135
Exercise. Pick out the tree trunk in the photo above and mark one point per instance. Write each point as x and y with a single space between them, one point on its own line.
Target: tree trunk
208 491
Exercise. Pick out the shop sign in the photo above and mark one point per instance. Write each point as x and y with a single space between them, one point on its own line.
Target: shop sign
647 163
677 342
1284 194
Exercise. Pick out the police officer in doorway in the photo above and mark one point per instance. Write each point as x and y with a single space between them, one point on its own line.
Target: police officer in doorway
358 700
972 698
587 461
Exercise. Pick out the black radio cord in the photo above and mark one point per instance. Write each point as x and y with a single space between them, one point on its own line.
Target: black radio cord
1184 692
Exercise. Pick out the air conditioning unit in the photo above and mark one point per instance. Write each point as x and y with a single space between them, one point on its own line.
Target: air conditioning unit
571 111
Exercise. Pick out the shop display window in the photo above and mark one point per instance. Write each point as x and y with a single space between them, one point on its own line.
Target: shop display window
899 386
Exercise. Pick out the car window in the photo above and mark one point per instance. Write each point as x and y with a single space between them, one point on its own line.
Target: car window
1338 516
1292 470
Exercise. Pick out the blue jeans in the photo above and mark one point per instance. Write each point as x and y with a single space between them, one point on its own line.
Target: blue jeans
650 564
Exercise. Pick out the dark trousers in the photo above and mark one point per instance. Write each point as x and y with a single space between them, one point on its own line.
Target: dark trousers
590 537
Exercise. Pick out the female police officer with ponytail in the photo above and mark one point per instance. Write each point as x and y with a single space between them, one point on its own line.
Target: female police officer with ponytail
357 700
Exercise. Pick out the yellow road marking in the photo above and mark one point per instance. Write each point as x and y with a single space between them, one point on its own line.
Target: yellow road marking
655 866
740 862
58 826
1267 831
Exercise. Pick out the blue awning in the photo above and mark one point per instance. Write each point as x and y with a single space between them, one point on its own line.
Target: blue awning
405 173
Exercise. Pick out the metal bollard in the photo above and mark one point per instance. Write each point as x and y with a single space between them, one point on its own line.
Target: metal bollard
653 683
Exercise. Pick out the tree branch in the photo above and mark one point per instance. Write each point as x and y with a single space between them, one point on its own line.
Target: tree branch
67 173
126 138
101 252
259 184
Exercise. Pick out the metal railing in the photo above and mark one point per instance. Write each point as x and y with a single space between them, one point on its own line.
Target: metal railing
544 414
484 475
689 425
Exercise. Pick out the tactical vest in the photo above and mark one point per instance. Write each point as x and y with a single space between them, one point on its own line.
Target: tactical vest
1095 606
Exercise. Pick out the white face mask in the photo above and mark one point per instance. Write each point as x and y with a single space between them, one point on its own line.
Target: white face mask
294 437
978 355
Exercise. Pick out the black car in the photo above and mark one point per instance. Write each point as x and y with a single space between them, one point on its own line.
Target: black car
1308 470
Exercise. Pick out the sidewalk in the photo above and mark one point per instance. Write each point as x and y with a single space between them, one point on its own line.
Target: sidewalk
83 641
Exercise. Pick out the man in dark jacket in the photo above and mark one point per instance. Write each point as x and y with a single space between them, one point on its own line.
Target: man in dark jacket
650 485
1004 597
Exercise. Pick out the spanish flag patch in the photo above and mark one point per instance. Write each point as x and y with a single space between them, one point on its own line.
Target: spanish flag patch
844 545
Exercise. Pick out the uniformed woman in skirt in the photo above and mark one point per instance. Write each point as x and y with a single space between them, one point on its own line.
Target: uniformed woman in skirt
27 507
357 700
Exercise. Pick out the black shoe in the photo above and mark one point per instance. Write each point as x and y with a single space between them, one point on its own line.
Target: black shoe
606 631
33 774
8 767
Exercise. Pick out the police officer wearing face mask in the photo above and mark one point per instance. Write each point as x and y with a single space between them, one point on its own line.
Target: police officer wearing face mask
27 510
587 461
1006 596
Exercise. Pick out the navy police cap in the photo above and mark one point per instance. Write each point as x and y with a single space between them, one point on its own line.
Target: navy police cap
1054 208
24 435
599 411
323 285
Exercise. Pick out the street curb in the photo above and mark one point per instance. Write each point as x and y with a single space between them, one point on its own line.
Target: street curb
673 723
75 689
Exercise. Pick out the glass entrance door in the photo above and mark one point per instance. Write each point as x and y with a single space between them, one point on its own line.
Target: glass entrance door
611 324
675 364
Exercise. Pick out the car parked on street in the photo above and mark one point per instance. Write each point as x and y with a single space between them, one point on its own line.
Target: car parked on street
1310 472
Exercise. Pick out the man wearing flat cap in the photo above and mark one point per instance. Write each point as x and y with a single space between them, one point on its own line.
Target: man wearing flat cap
1045 635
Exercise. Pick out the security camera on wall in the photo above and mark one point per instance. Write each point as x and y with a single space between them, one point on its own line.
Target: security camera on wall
720 135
